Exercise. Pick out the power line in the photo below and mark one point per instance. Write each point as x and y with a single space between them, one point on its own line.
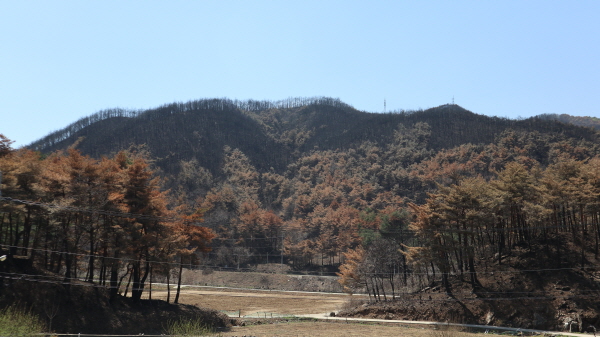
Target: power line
199 266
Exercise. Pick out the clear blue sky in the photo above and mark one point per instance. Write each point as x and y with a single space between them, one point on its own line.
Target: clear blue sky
63 60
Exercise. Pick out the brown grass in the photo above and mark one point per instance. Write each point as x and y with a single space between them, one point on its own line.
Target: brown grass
448 331
252 301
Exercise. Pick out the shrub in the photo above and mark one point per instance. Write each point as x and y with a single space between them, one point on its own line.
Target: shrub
188 328
18 322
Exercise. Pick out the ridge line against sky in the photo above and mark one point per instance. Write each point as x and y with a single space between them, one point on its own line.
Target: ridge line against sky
61 61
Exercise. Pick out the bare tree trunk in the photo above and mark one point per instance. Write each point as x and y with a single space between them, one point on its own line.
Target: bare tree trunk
168 283
382 286
128 282
391 279
26 232
91 263
150 285
1 227
139 280
179 280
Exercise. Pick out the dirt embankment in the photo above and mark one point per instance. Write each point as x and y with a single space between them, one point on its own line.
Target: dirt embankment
84 308
528 290
81 307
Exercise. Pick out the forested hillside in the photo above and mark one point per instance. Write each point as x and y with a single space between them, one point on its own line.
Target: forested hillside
396 201
312 178
274 134
590 122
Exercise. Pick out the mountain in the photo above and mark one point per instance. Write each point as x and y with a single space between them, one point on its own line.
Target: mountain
590 122
274 135
443 200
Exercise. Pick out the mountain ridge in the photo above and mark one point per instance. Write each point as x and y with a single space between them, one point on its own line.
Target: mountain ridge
274 135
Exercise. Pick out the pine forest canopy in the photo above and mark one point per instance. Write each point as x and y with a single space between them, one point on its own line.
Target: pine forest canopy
312 182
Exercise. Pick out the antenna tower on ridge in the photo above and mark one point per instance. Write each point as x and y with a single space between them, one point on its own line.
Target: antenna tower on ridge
384 107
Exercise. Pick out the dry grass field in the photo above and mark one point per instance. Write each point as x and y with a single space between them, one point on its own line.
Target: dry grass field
259 292
257 303
268 304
